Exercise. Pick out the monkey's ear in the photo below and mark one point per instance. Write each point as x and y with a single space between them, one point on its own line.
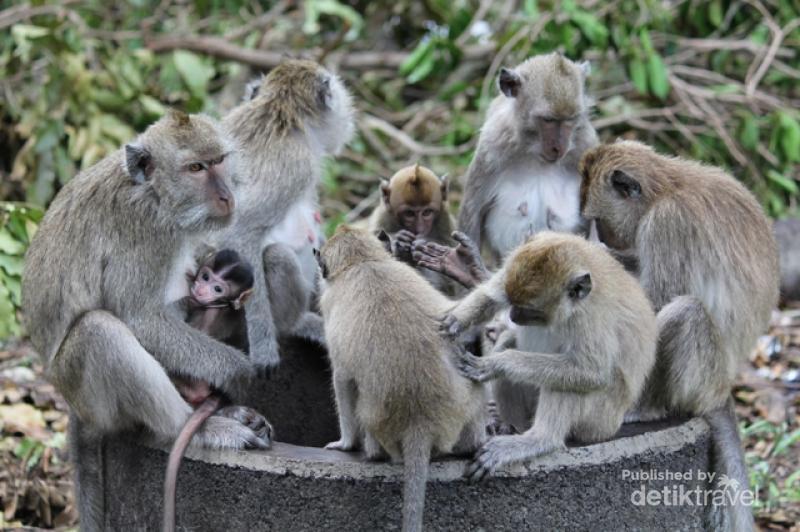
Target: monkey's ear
323 268
445 186
383 236
509 82
239 301
579 287
586 68
251 89
625 185
324 93
138 162
386 191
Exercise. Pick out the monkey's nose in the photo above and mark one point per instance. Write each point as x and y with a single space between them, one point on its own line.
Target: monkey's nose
225 203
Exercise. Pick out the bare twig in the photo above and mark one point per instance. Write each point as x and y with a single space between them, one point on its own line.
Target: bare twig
373 122
261 21
13 15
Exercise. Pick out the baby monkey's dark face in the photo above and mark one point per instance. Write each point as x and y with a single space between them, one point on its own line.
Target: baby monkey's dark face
209 287
224 277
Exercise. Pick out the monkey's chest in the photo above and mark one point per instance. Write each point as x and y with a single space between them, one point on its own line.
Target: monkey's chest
527 204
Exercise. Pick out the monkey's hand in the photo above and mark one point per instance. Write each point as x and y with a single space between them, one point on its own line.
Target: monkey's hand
342 445
251 419
474 368
462 263
450 327
403 243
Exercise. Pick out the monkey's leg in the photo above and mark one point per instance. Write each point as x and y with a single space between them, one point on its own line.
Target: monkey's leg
261 327
472 437
346 395
698 378
550 429
86 453
311 327
373 449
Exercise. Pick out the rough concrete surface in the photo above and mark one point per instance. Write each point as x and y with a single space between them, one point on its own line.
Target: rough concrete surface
294 487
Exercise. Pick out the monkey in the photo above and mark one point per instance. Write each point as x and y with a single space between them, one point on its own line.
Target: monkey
217 292
295 116
107 331
524 176
394 378
787 235
586 343
414 206
708 261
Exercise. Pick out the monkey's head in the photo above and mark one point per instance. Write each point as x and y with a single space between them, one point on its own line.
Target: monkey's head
547 279
301 95
619 183
415 197
549 102
223 278
348 247
188 163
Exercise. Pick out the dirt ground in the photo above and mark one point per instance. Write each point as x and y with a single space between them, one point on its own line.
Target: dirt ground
36 485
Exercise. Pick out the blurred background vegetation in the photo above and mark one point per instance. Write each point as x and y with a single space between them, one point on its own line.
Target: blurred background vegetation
713 80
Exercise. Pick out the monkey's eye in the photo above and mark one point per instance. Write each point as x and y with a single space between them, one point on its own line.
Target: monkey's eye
218 160
217 289
196 167
549 119
205 277
427 213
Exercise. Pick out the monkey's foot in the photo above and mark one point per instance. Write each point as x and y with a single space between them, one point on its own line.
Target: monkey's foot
503 450
250 419
499 428
219 432
342 445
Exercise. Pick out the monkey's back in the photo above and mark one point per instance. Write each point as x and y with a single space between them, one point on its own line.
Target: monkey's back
381 322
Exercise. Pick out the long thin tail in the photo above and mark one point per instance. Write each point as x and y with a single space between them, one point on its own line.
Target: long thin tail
416 458
728 459
203 412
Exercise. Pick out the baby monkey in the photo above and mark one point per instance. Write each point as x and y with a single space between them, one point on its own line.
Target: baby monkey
215 306
586 341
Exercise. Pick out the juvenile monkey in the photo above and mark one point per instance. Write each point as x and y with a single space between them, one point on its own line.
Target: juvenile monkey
107 331
586 342
394 377
217 292
414 206
298 114
708 262
524 176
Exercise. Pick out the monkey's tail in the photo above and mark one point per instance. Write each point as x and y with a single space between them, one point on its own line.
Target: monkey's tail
728 459
198 417
416 458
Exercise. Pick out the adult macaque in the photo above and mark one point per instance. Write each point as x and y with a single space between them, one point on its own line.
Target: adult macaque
586 342
396 385
414 206
298 114
707 259
524 176
101 278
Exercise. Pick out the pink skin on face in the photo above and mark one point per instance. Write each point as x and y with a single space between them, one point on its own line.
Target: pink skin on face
418 220
208 287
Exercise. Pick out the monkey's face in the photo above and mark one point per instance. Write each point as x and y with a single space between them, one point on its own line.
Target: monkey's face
187 162
614 193
419 219
545 283
209 287
415 197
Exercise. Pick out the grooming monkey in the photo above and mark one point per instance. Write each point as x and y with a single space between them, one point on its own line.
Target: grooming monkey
524 176
298 114
217 292
394 377
708 262
414 206
586 343
108 332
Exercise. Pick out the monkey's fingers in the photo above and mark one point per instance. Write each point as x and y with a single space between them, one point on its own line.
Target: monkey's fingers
449 327
341 445
405 236
464 240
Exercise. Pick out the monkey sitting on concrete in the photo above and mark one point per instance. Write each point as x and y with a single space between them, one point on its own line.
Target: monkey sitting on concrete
586 342
396 385
708 261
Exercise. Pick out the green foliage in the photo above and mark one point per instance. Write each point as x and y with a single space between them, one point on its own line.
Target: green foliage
17 225
763 480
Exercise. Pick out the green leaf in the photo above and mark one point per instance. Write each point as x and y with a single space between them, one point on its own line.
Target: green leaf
151 105
715 13
8 244
785 442
594 30
424 48
790 137
789 185
638 74
12 265
749 133
458 23
657 76
423 70
194 71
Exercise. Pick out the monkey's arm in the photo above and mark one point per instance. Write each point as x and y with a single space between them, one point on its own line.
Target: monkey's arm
475 201
478 307
192 353
261 329
558 372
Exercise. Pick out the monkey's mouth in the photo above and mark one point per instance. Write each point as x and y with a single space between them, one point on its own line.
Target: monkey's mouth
528 316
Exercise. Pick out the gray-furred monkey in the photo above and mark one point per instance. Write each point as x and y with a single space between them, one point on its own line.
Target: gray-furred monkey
708 262
299 113
586 343
101 276
524 176
397 389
